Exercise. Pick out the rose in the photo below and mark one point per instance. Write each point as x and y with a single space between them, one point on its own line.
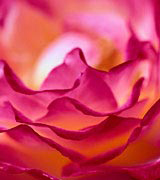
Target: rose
41 129
84 105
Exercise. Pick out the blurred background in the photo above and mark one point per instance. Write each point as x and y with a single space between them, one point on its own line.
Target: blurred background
35 35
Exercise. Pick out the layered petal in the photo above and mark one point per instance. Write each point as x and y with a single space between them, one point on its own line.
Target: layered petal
109 155
24 98
10 170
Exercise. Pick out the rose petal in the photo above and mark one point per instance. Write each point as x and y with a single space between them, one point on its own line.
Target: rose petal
55 54
24 98
149 170
156 8
124 75
98 94
104 157
25 140
144 50
137 49
12 169
57 78
42 98
26 131
150 115
108 125
136 110
75 112
41 5
5 8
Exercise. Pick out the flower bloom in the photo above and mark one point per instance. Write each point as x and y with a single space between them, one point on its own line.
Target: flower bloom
83 122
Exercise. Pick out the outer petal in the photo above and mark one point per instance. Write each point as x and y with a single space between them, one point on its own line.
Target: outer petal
101 158
27 131
12 169
108 125
149 116
25 140
147 171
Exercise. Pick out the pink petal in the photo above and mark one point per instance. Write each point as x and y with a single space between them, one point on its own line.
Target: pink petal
110 125
150 115
98 94
57 78
5 6
112 173
28 133
149 170
42 5
123 75
55 54
156 8
137 49
69 113
106 156
136 110
12 169
24 98
18 94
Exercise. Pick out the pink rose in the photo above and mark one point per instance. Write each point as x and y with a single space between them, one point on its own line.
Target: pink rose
83 122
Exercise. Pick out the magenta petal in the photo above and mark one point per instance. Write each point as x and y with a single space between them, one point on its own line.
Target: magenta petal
10 155
5 6
24 98
135 110
27 132
12 169
69 105
110 125
17 85
106 156
134 95
150 115
156 7
120 77
42 5
138 50
65 75
130 102
112 173
98 94
143 50
134 48
147 171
